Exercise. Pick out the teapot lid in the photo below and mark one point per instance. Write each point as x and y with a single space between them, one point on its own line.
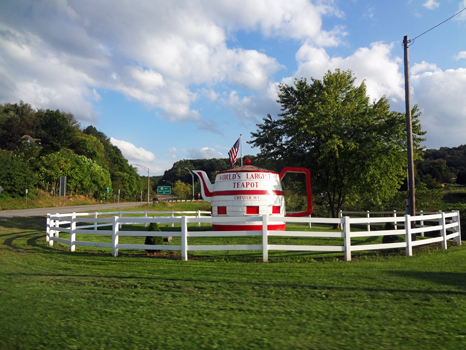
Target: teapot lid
247 167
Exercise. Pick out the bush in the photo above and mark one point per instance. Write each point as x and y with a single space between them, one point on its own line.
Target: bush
153 240
391 238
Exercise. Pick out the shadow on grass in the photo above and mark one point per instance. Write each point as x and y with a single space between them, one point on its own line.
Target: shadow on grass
128 282
24 223
455 279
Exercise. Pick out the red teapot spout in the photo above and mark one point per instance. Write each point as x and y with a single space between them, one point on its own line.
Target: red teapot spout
206 186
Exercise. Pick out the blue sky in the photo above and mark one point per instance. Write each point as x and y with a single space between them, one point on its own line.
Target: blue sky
182 79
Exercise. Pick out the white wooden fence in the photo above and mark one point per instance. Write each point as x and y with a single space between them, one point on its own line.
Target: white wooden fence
393 213
446 224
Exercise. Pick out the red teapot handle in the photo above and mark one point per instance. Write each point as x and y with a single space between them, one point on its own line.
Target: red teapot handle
308 188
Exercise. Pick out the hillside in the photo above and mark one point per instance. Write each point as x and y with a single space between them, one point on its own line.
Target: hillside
38 146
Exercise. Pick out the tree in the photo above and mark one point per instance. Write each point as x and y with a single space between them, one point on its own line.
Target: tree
182 190
57 132
354 148
15 175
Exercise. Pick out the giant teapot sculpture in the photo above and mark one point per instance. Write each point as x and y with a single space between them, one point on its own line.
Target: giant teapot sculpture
249 191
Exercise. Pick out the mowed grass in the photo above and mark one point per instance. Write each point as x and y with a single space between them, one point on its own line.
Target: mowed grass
53 299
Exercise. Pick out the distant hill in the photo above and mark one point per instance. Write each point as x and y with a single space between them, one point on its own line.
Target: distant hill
445 165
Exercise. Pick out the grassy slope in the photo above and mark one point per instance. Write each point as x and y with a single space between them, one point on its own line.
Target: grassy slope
50 298
43 200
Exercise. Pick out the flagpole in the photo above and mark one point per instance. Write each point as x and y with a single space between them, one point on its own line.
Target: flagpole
241 145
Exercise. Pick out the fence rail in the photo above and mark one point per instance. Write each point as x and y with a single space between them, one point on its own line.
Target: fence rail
447 224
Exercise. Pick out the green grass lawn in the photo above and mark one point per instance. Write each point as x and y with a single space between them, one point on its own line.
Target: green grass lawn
53 299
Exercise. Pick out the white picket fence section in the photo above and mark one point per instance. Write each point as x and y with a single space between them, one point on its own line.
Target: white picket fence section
447 224
393 213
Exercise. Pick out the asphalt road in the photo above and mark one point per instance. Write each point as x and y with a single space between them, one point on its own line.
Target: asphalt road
68 209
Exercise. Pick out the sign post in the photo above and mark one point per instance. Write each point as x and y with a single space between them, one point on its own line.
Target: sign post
62 190
27 196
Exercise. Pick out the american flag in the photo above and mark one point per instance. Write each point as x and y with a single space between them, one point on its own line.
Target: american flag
233 153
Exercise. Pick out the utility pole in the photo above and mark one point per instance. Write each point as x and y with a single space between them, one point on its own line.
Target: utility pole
148 180
409 132
192 175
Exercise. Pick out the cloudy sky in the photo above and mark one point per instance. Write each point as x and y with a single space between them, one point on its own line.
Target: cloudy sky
182 79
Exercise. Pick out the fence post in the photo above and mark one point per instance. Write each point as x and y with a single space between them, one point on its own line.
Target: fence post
456 219
120 215
184 238
265 244
57 224
368 222
72 233
341 217
422 223
145 216
396 222
444 232
116 227
409 247
199 215
173 215
310 224
347 237
95 222
47 229
51 232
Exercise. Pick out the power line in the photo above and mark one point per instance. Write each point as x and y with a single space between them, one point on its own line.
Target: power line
456 14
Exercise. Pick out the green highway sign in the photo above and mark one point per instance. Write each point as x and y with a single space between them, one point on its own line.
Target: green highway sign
164 190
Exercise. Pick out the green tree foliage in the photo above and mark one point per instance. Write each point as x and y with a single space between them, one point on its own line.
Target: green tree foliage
15 175
353 147
123 176
434 173
48 144
445 165
17 120
153 240
56 131
179 171
182 190
90 147
84 176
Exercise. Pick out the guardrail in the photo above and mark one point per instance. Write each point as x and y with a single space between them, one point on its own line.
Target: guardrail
446 224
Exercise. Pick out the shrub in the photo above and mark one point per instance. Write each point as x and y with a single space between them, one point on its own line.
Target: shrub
391 238
153 240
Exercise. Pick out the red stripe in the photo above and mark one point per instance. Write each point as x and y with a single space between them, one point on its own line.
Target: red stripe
246 192
204 185
279 227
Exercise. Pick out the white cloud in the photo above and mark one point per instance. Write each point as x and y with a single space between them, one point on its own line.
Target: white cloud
41 78
155 52
374 65
131 152
440 95
252 108
460 55
431 4
424 67
204 153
